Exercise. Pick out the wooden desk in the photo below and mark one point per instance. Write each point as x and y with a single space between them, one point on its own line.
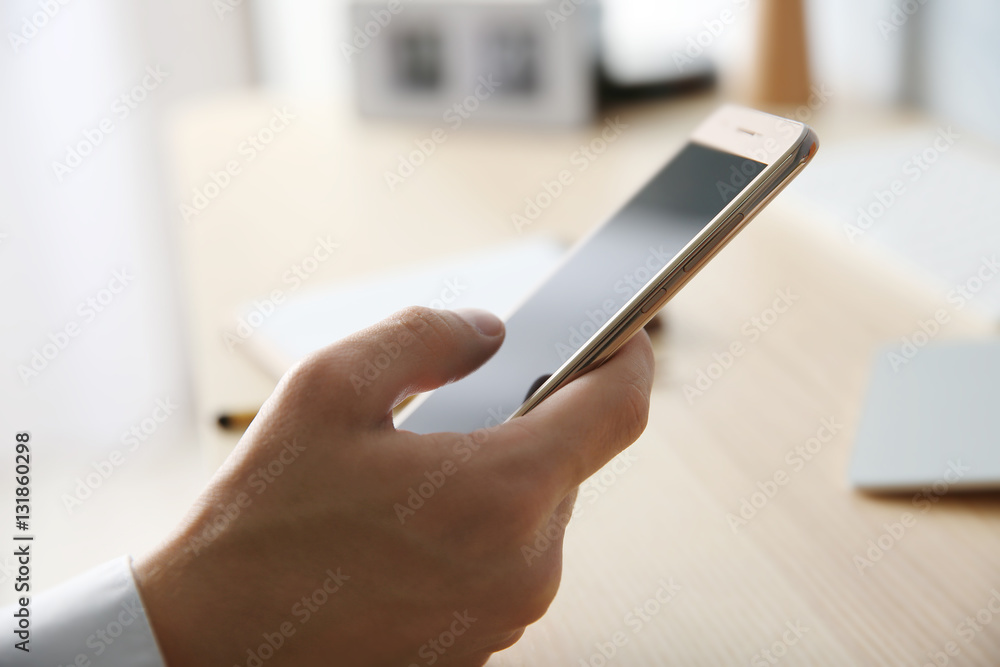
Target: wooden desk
655 531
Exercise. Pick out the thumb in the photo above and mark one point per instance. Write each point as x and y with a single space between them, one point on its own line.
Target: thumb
414 350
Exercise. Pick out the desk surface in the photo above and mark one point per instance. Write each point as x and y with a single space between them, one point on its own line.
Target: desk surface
787 580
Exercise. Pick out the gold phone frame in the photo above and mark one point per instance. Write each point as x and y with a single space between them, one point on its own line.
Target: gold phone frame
784 146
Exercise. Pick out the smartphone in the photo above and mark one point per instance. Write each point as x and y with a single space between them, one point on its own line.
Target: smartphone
616 279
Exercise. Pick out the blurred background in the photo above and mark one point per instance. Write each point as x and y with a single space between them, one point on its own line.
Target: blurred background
153 153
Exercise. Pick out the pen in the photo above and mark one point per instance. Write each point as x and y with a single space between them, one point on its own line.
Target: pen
235 421
240 421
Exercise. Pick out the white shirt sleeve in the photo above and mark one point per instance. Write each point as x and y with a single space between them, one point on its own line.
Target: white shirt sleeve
95 619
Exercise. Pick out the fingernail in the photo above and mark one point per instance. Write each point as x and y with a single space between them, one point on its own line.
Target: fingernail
485 323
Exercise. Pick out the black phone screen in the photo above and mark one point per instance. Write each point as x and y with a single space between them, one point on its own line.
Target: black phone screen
593 284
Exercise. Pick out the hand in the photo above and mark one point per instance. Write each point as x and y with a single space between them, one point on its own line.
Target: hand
306 548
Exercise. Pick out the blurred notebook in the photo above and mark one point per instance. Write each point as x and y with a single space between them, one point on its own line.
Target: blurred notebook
931 421
496 280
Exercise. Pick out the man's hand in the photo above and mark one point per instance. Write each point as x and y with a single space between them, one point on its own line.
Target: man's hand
305 550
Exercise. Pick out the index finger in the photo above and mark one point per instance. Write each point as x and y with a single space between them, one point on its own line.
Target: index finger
585 424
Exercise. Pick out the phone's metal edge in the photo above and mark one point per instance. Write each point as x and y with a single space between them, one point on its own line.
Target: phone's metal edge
630 318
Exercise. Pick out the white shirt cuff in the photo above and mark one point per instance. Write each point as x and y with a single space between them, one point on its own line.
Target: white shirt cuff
95 619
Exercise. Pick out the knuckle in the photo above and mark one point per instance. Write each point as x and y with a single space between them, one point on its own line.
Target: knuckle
305 376
427 327
307 387
323 378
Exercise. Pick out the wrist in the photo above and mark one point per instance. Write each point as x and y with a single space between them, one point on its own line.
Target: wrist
167 582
